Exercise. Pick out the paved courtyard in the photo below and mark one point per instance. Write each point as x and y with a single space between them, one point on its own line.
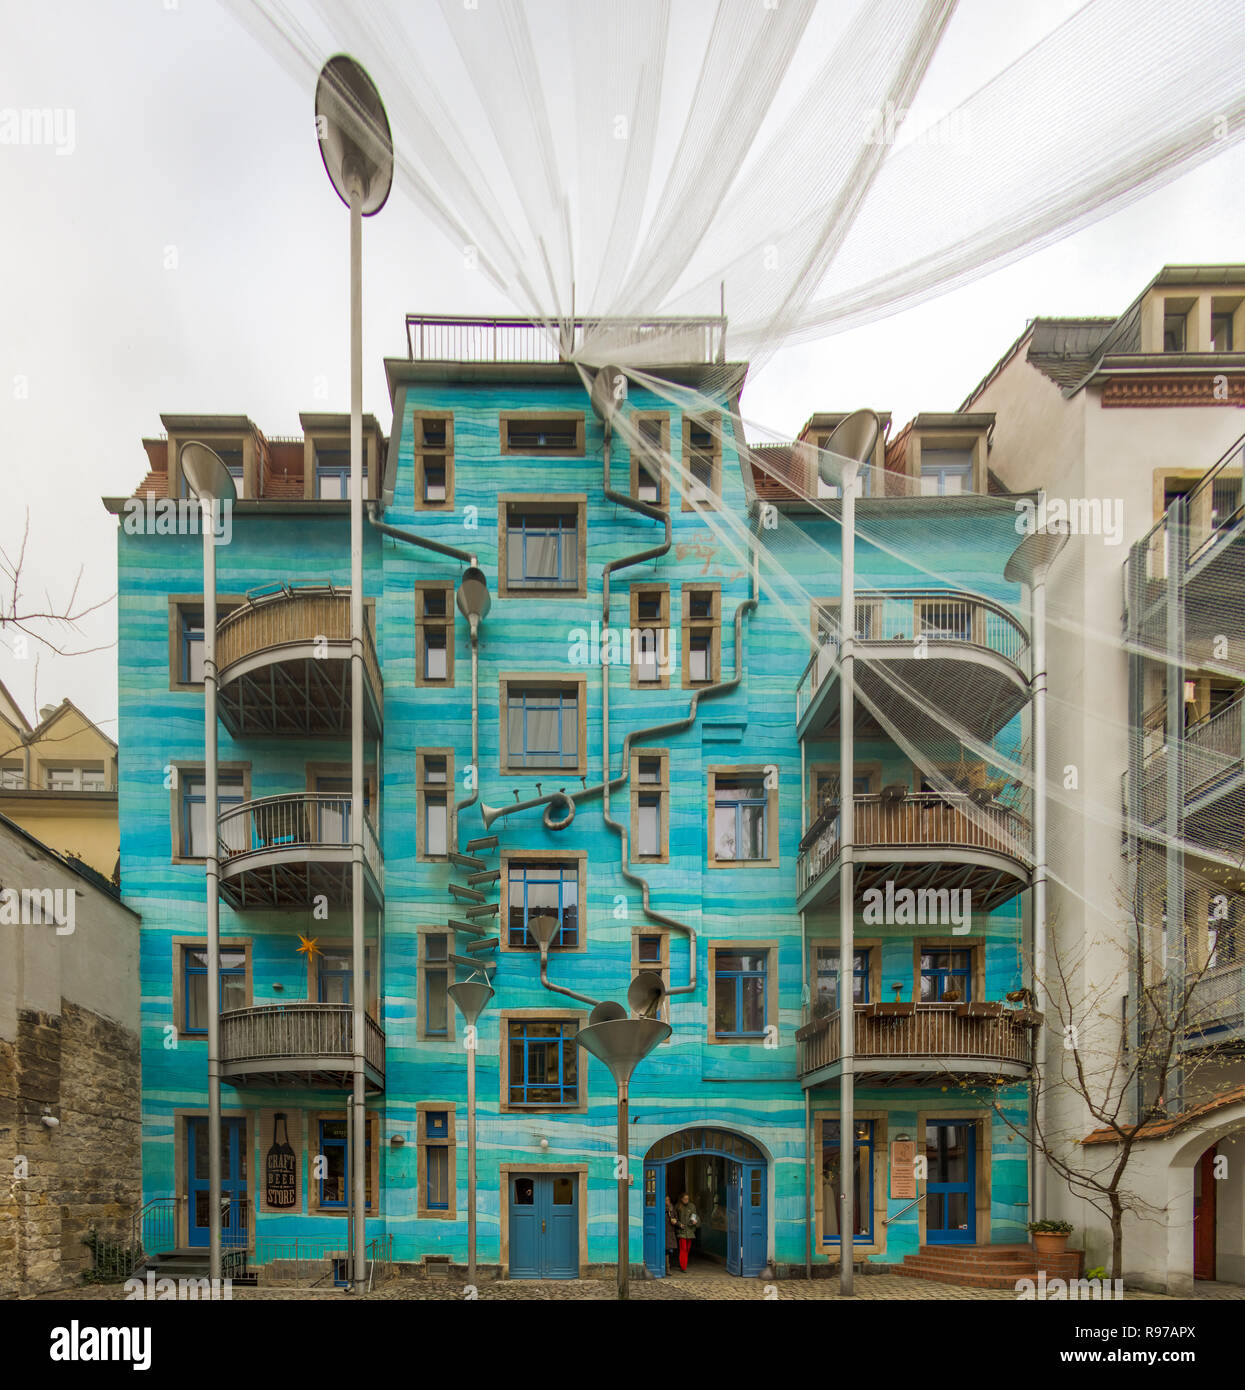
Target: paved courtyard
692 1287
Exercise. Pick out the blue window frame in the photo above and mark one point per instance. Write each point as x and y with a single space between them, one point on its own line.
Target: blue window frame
542 727
194 986
740 994
542 549
862 1182
543 888
436 1160
333 475
828 978
190 621
335 1180
436 985
543 1063
335 975
194 810
946 973
740 818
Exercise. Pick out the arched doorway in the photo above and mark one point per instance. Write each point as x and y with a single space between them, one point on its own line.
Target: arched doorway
725 1176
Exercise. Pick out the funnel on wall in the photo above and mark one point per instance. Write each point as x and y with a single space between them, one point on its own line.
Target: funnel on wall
622 1043
471 997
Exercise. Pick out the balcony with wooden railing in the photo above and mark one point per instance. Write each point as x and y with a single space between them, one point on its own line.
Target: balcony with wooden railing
932 839
283 851
954 649
284 662
908 1044
298 1045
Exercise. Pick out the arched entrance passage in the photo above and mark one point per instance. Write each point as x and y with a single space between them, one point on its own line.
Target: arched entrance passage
725 1176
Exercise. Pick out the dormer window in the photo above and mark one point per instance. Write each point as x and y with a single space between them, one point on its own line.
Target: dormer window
946 472
230 454
1174 325
333 474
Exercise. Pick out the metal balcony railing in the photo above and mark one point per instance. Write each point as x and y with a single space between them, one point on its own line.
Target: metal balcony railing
988 1032
1211 749
299 822
315 1033
904 616
449 338
920 820
1215 502
1217 1000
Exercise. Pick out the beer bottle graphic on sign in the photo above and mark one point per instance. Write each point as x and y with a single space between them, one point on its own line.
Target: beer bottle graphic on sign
280 1167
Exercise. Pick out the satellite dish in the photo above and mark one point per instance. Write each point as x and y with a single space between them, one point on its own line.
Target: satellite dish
606 1011
647 991
205 473
608 393
353 131
854 438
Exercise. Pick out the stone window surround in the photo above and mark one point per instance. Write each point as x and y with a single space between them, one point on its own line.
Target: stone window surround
772 826
767 948
541 1015
660 789
551 502
553 680
422 787
181 944
517 857
423 1144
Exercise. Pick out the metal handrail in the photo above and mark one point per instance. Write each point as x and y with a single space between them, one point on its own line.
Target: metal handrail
1203 523
886 1220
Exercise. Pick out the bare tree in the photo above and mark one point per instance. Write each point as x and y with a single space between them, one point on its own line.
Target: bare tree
44 621
1126 1066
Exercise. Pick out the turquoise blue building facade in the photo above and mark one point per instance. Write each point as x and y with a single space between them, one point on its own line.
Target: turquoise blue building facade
505 462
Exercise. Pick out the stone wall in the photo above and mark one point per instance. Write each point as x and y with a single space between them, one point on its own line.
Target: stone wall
84 1172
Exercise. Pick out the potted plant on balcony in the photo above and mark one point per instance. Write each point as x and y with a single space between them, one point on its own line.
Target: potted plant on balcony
1050 1237
897 1008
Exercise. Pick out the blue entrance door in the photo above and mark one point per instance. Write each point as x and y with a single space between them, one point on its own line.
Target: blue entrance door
655 1219
734 1252
950 1190
233 1198
544 1226
752 1219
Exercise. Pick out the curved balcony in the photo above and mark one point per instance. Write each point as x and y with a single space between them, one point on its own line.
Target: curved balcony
284 851
914 1044
298 1045
927 841
283 659
957 653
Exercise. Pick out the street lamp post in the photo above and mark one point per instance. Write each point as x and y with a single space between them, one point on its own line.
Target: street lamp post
357 149
209 480
471 999
850 446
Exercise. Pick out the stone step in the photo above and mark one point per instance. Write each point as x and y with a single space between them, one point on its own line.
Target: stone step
964 1279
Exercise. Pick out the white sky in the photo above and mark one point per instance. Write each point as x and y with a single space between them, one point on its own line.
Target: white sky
189 255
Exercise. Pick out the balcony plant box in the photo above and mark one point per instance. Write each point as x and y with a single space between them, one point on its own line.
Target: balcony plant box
1050 1237
895 1009
1026 1018
980 1008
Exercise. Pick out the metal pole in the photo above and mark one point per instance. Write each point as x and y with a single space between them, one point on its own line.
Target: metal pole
1038 619
358 956
847 831
211 797
624 1213
471 1159
1173 823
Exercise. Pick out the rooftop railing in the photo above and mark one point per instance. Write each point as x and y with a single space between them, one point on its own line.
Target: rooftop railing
449 338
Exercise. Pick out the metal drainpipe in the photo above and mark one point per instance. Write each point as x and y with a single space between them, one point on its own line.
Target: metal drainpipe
212 866
677 726
847 865
411 538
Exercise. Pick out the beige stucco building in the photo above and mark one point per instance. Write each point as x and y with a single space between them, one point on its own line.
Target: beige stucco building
1120 419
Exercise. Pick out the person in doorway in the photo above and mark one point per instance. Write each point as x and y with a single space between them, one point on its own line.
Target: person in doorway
672 1233
688 1222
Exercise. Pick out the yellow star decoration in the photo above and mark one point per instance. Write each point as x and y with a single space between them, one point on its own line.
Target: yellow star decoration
308 947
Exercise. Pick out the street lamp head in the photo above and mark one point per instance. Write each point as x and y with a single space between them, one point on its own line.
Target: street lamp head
854 438
473 596
353 131
1030 562
205 473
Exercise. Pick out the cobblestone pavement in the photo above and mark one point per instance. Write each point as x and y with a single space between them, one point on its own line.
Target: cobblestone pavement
691 1287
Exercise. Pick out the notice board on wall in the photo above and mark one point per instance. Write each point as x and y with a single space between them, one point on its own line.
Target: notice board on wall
903 1169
